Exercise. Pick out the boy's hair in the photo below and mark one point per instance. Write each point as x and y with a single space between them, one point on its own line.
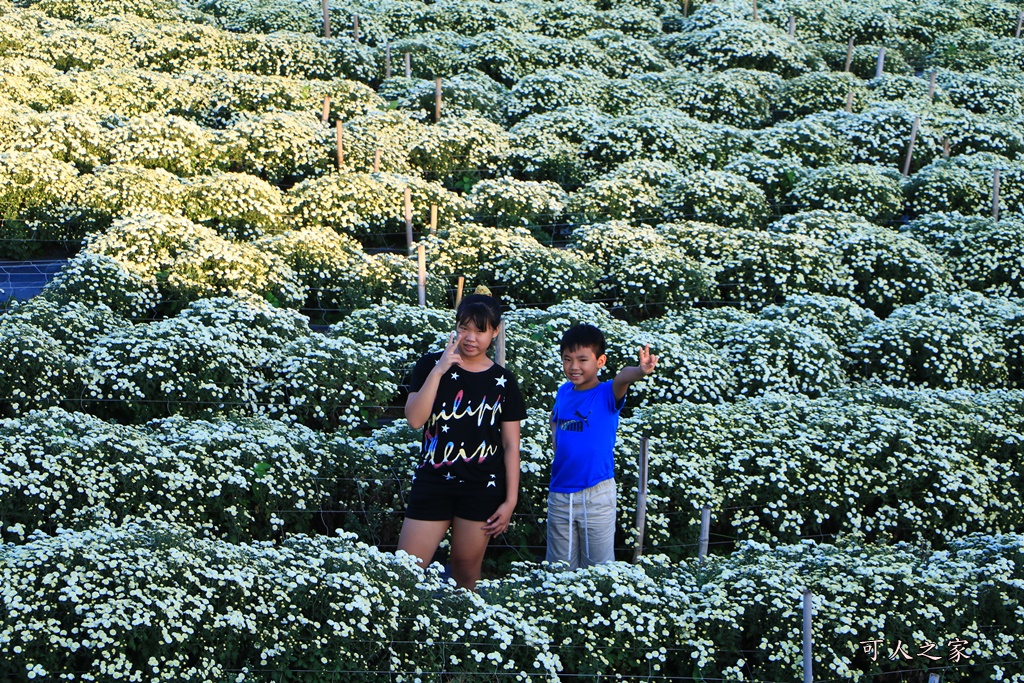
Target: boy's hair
581 336
481 310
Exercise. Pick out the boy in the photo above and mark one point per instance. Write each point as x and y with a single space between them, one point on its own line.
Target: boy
581 501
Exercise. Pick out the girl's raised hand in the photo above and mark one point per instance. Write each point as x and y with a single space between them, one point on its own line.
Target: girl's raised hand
451 354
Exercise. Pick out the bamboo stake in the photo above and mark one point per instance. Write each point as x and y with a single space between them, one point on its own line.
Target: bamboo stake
341 145
931 87
458 290
376 161
408 65
881 62
433 218
754 13
437 99
1020 23
792 25
910 149
686 8
421 284
945 148
408 216
995 195
849 102
387 60
849 56
355 28
808 658
705 534
327 19
641 499
326 113
499 347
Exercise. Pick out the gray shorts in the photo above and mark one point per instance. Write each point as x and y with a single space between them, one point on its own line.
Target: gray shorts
581 526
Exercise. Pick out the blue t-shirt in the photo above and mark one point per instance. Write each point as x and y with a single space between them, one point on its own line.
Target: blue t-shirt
585 424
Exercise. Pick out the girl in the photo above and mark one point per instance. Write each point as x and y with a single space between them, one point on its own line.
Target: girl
468 477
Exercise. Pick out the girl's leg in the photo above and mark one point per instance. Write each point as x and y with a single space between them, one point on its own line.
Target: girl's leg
469 543
420 538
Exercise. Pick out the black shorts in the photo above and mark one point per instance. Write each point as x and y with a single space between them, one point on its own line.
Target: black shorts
436 501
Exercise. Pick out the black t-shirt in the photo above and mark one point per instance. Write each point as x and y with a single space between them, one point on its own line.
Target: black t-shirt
462 436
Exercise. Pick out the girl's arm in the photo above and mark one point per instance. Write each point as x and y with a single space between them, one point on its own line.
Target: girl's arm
419 403
502 517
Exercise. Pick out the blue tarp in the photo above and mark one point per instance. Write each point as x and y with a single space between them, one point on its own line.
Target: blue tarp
21 280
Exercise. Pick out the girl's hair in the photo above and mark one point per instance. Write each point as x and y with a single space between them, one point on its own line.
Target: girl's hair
481 310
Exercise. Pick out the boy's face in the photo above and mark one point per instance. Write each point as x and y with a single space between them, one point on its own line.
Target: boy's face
580 366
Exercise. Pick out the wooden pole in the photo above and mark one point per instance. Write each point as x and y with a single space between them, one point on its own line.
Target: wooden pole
437 99
945 148
849 56
376 161
433 218
686 8
792 25
355 28
327 19
326 113
910 149
499 347
387 60
458 290
341 145
1020 23
995 195
641 499
408 65
880 69
754 13
408 216
849 102
421 283
808 659
931 87
705 534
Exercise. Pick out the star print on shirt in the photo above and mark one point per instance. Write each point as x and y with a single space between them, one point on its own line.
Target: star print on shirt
500 381
444 428
455 375
449 476
491 483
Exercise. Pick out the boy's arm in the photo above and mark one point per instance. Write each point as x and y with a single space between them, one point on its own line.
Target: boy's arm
632 373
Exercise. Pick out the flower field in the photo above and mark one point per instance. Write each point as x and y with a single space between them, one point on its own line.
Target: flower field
812 211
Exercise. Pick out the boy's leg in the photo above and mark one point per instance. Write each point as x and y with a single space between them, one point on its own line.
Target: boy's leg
469 543
560 541
599 527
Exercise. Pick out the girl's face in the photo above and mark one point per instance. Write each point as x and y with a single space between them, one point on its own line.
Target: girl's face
474 342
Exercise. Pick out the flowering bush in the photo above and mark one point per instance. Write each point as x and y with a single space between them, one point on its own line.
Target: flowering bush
812 142
114 191
970 134
913 91
333 268
369 205
881 136
865 58
962 184
869 191
739 44
327 382
99 281
76 135
551 89
819 91
716 196
276 146
227 478
775 177
392 133
756 268
74 324
987 257
910 349
743 98
546 146
840 318
36 370
504 202
238 206
984 94
405 330
35 189
455 146
169 142
464 94
512 263
627 56
614 197
395 278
